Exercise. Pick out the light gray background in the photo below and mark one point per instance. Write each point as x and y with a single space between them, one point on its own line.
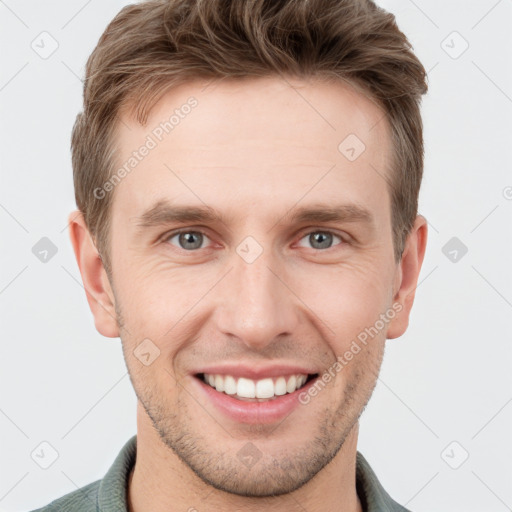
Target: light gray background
447 379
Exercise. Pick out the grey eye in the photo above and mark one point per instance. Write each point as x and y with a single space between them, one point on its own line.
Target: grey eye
321 239
189 240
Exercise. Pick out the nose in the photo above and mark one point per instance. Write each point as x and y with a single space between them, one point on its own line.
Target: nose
257 306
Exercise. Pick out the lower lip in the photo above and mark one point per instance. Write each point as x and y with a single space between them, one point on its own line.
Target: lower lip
270 411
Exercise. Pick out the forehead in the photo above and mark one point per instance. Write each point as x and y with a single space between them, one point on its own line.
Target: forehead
258 143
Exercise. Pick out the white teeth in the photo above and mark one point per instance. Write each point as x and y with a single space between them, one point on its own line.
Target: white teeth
280 386
229 385
219 383
248 388
245 388
264 388
291 385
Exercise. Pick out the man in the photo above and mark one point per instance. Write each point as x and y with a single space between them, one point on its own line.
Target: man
247 177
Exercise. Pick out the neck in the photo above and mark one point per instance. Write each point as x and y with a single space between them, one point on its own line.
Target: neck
160 482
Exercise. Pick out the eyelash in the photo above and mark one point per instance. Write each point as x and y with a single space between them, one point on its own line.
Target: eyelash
172 234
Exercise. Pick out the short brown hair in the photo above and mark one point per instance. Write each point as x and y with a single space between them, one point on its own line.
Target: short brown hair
155 45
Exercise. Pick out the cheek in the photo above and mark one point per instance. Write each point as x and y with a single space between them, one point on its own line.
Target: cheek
164 307
160 301
345 299
156 298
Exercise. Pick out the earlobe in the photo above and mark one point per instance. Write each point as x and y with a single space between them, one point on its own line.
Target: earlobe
94 277
406 280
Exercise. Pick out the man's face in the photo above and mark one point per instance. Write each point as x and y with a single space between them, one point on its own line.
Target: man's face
261 289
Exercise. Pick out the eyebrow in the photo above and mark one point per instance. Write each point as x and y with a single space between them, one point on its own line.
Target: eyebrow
163 213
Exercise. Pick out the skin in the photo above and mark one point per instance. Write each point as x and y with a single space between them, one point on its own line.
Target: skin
252 150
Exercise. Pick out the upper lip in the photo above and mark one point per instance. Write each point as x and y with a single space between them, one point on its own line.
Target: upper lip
254 372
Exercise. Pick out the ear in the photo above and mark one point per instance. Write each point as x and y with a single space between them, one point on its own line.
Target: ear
94 277
406 277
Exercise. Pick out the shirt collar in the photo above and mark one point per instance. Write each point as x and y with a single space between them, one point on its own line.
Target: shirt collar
372 495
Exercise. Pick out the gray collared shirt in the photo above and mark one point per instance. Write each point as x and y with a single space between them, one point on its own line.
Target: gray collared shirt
109 493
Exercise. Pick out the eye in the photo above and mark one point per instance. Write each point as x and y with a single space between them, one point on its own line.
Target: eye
190 240
187 240
321 239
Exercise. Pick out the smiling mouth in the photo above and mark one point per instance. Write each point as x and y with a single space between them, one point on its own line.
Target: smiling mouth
262 390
